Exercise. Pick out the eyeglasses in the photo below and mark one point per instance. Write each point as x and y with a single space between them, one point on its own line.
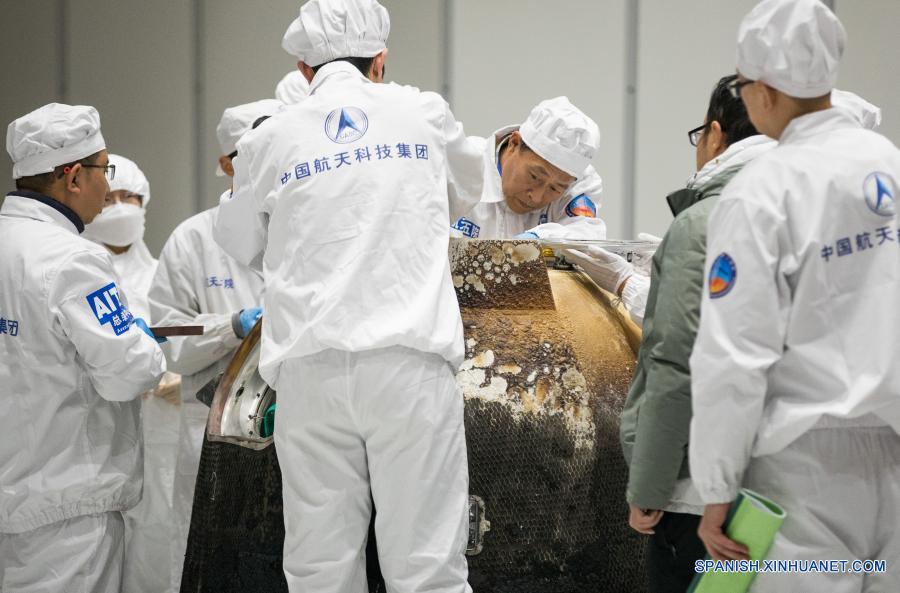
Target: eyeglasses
109 170
123 197
695 134
735 86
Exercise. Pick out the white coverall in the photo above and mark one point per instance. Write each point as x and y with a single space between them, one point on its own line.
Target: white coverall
196 283
573 216
362 330
149 526
796 386
71 454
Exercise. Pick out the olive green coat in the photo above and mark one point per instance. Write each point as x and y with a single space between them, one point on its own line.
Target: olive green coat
657 415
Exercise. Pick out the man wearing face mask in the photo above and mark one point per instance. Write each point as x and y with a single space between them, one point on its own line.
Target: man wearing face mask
72 366
120 228
148 526
199 284
538 180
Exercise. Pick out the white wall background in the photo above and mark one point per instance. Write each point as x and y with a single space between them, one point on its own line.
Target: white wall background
162 71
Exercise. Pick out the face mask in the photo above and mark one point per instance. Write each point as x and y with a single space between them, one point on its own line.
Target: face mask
118 225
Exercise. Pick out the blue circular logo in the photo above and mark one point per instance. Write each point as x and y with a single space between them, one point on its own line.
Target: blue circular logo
722 276
880 190
345 125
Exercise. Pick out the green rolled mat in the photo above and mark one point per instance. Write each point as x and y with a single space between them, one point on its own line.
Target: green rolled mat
753 520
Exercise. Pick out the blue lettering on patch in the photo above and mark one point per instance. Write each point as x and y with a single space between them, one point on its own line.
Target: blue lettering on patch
108 308
468 228
581 206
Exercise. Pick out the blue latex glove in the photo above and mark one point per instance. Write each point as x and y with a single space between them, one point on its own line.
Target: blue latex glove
144 328
248 318
526 236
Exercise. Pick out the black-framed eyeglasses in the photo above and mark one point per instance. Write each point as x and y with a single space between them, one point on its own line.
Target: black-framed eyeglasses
735 86
695 134
109 170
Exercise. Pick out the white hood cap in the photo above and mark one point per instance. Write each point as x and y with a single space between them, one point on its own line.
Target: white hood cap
53 135
865 113
293 88
330 29
129 177
562 134
793 46
238 120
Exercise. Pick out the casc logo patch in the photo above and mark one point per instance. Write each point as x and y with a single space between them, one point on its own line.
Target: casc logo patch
722 276
879 189
345 125
581 206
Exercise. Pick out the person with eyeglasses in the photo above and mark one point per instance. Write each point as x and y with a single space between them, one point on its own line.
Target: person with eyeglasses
149 525
197 283
656 419
120 228
616 275
613 272
794 375
73 365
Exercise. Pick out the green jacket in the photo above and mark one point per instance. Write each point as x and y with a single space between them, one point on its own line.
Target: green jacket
657 416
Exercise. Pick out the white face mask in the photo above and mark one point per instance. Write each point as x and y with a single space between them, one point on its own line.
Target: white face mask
118 225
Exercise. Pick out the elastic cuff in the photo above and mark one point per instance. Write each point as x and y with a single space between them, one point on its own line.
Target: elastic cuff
717 494
236 324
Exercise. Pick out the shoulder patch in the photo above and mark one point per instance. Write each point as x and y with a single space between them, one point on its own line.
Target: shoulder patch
468 228
581 206
722 276
108 309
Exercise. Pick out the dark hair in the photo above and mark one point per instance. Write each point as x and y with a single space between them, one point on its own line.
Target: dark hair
364 65
255 125
729 112
41 183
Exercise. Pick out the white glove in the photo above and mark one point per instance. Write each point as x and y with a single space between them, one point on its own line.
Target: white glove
650 238
642 258
169 389
578 227
605 268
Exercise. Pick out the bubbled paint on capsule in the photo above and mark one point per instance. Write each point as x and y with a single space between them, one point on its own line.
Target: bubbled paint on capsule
548 363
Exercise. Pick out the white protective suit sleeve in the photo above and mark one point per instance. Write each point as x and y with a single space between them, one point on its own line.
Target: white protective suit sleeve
241 227
465 177
634 297
173 301
741 335
121 367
